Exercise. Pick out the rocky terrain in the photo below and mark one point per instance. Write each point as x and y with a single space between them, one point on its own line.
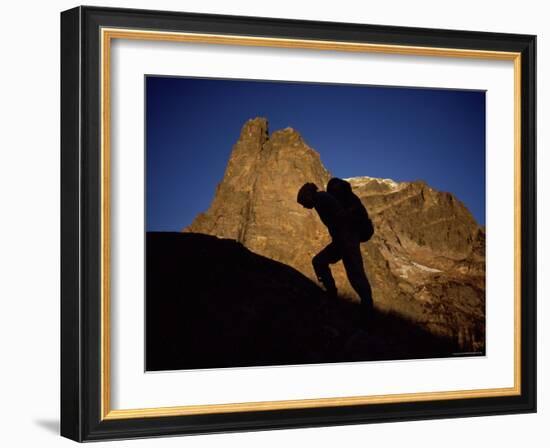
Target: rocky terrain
212 303
426 260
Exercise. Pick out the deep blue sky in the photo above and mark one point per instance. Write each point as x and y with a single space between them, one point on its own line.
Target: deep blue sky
405 134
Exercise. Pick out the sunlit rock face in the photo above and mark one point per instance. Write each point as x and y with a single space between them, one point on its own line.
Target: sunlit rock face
426 259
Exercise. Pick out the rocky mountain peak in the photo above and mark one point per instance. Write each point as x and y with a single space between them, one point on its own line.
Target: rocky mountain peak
426 259
255 130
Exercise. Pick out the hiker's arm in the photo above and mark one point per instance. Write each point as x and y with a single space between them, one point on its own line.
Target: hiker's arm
329 209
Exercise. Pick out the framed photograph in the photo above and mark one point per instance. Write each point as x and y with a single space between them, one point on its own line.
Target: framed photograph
274 223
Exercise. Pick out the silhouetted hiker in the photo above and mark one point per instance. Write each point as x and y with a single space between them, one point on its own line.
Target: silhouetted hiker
345 243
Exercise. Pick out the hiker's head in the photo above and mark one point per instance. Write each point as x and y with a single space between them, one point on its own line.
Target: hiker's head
338 187
306 195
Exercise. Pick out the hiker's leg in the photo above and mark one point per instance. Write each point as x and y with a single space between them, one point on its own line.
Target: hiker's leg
321 262
353 263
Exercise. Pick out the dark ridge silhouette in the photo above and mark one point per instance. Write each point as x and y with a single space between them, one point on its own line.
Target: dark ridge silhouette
212 303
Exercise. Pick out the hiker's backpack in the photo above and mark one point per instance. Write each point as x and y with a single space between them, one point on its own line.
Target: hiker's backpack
342 191
364 223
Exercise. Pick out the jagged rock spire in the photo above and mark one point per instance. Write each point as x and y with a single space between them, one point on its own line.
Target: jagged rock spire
426 259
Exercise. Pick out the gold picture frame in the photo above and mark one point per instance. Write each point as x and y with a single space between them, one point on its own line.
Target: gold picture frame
105 26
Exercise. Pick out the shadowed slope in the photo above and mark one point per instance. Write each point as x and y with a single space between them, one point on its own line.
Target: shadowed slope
213 303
